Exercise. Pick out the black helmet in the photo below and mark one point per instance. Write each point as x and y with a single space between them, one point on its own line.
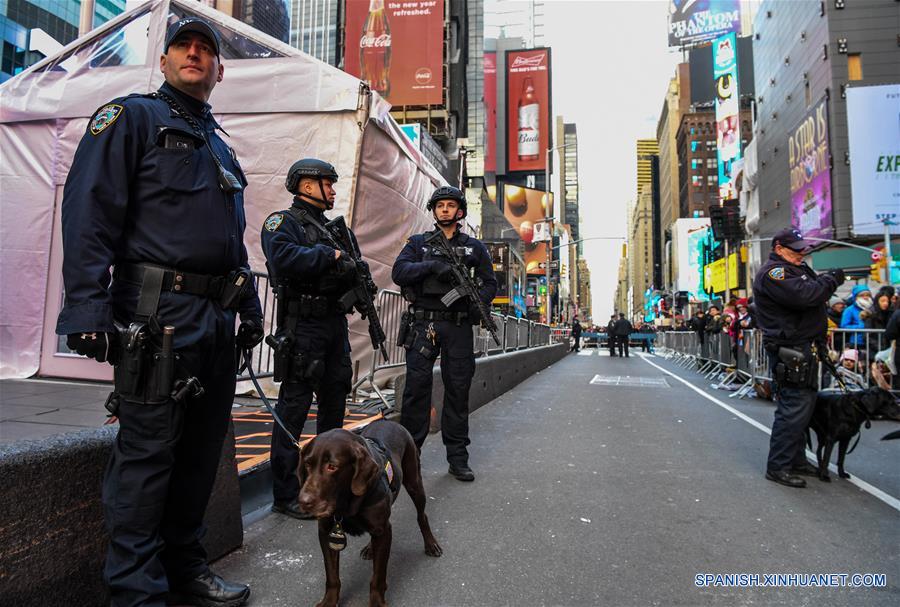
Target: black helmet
308 167
448 191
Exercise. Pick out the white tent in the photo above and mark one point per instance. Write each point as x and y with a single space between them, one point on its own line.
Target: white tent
277 105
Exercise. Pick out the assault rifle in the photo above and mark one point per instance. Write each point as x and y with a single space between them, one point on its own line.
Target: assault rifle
364 289
464 285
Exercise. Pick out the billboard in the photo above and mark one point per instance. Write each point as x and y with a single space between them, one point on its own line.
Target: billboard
693 21
527 109
728 111
873 123
398 50
714 274
490 111
810 166
688 236
523 208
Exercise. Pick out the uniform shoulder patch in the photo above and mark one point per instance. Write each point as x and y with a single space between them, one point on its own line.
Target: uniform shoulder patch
776 273
273 221
389 471
105 116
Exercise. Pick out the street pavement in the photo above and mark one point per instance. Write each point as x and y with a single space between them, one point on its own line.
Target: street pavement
617 492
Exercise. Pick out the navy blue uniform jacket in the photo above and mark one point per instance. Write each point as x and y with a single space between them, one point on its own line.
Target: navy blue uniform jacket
129 199
791 302
416 262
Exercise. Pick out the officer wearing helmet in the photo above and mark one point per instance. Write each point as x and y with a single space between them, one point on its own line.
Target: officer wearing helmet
312 349
434 328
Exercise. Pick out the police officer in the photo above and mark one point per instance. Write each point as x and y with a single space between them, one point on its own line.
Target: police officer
312 347
790 301
611 335
156 193
425 278
576 335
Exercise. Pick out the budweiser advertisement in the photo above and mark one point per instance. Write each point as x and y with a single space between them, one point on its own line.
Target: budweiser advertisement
527 109
490 111
525 209
397 48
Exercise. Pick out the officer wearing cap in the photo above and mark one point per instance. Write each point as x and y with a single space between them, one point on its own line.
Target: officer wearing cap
435 328
155 193
790 301
312 347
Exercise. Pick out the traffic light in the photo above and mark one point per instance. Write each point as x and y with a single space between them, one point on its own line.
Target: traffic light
875 272
542 290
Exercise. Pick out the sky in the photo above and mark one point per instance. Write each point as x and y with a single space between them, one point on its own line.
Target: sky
611 68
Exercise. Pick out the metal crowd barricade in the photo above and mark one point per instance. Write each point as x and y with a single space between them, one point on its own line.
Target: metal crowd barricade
866 342
391 306
262 356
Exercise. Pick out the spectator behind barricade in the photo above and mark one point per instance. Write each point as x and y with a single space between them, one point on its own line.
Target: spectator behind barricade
835 310
850 360
892 337
860 300
698 325
877 318
714 321
742 322
880 371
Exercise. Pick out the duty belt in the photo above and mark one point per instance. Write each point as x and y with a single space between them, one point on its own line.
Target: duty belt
422 314
176 281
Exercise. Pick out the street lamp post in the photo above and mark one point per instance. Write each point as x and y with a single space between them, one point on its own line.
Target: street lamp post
548 217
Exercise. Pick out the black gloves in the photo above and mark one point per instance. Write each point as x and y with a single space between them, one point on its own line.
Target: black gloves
345 266
442 271
249 334
100 346
838 275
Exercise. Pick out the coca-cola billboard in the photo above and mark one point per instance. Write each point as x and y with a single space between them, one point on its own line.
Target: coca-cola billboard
397 48
527 109
490 111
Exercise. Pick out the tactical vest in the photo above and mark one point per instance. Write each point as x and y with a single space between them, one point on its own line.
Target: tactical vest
331 284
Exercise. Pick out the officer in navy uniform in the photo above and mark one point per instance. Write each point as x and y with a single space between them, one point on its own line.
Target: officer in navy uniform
156 193
436 329
790 301
313 347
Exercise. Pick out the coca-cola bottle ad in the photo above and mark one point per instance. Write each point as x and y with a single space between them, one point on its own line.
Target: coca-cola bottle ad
527 109
529 123
375 49
397 48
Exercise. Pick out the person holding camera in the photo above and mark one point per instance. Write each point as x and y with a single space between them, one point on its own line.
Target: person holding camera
790 301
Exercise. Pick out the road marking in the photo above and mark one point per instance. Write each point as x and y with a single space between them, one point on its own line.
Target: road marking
585 353
888 499
628 380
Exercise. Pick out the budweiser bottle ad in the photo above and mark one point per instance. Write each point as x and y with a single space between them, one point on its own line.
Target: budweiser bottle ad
375 49
529 122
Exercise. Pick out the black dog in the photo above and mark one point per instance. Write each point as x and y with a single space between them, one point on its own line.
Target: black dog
349 483
837 419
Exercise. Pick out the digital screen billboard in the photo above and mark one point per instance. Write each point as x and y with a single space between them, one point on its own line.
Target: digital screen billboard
397 49
810 165
490 111
693 21
527 109
728 112
523 208
873 123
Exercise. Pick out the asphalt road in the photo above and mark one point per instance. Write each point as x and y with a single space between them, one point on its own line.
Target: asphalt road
618 492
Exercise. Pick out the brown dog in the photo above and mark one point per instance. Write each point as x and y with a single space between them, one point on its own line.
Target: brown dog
349 483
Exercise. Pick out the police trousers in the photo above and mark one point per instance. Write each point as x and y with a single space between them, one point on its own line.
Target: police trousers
160 476
325 349
454 343
794 408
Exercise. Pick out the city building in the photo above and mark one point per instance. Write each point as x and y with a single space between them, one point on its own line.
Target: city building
36 29
567 135
515 19
621 299
676 103
314 28
584 291
646 149
808 53
640 250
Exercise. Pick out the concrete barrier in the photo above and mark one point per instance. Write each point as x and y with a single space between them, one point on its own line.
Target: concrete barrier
494 375
52 535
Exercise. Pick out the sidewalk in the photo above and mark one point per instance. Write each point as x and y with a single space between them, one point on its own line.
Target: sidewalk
600 481
36 408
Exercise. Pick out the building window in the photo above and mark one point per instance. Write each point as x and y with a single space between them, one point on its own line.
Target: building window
694 145
854 66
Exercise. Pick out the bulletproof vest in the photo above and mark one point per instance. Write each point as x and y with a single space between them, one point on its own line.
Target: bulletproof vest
429 292
329 284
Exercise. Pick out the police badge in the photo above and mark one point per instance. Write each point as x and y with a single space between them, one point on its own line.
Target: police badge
274 221
104 117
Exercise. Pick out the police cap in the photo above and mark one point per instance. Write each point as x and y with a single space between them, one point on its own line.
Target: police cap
192 24
792 239
308 167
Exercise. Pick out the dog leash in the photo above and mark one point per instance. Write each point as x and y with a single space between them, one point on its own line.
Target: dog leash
246 353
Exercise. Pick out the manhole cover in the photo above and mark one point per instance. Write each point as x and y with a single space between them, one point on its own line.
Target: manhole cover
625 380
